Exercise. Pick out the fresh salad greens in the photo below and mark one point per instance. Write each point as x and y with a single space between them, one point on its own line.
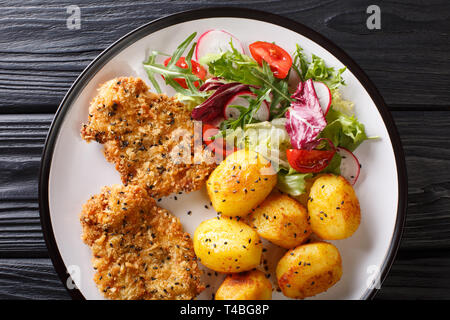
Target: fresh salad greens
267 101
171 72
343 130
292 182
316 70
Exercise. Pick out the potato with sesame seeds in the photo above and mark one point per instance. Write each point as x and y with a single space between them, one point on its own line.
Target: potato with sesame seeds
333 208
309 270
226 245
250 285
281 220
240 183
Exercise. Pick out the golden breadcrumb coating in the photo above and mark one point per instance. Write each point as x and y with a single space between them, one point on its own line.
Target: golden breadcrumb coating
139 249
148 136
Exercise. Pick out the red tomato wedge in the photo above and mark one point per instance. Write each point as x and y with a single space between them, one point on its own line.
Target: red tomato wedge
217 145
309 161
276 57
197 70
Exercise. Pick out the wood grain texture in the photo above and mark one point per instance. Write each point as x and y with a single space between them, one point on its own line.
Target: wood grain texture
418 276
40 57
30 279
407 60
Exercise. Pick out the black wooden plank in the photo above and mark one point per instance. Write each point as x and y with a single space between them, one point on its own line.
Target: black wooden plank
20 229
30 279
407 59
21 142
421 275
423 134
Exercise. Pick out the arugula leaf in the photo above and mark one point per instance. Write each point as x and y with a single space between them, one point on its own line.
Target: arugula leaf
172 72
343 130
233 66
178 53
246 114
151 60
278 88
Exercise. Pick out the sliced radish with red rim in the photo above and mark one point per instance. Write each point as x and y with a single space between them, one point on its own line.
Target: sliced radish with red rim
350 166
323 93
216 41
241 99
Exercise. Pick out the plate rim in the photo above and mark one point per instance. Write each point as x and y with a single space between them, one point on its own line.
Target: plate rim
217 12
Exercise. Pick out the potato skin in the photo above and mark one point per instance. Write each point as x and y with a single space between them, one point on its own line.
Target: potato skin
240 182
250 285
333 208
226 245
309 270
281 220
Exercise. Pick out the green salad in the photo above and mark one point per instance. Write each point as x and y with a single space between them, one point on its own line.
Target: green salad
285 106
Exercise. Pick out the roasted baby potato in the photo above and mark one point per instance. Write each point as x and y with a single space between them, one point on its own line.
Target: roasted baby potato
227 245
250 285
333 208
281 220
309 270
241 182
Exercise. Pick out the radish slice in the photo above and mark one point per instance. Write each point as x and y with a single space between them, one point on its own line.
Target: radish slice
263 113
324 96
350 166
216 41
239 99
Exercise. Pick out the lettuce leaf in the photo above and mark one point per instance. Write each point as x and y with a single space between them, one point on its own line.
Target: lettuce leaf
343 130
292 182
334 166
232 66
317 70
340 104
190 101
269 139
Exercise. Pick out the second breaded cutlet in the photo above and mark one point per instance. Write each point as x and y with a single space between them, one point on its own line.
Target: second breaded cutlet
139 249
149 137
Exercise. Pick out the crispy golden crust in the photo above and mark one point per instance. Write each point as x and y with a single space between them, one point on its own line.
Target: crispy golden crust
139 249
144 135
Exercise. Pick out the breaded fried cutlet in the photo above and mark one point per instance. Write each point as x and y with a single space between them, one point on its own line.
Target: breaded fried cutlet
148 136
139 249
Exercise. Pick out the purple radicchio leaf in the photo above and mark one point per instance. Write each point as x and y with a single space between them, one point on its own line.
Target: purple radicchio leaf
213 107
305 118
212 84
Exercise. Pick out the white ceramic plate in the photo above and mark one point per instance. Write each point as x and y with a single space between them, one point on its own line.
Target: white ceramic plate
73 170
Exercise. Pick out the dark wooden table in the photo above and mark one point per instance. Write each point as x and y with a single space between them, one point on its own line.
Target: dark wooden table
408 60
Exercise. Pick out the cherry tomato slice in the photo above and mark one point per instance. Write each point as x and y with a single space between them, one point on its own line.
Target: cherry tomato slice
309 161
276 57
218 145
197 70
